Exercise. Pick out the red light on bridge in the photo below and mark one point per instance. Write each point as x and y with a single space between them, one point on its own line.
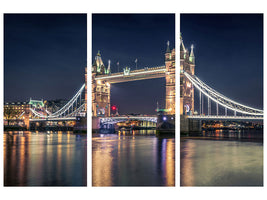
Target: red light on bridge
113 107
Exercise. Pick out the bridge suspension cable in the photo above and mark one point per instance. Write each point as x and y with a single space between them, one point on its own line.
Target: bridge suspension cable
220 99
65 110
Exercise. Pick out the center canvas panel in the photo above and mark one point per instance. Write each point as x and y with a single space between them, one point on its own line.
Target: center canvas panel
133 99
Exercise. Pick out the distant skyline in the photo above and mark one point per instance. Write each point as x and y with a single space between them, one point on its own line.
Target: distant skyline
229 53
45 55
125 37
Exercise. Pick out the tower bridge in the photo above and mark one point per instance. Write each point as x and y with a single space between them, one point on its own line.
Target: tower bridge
190 118
102 78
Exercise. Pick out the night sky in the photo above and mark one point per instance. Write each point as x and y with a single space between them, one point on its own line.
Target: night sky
44 55
123 38
229 53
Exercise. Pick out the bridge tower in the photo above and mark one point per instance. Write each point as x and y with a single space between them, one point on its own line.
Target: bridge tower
170 80
100 89
187 63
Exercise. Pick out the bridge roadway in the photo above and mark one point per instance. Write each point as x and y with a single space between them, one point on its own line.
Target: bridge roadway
140 74
152 118
54 119
225 118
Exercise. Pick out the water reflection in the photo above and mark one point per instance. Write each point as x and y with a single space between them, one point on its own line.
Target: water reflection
44 159
235 134
221 159
133 160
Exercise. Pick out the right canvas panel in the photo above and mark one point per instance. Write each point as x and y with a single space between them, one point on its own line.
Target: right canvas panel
221 100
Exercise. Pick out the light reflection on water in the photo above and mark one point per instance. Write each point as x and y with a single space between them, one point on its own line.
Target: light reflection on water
221 159
133 159
44 159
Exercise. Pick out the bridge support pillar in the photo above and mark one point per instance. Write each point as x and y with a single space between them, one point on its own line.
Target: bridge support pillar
165 124
170 81
95 124
189 126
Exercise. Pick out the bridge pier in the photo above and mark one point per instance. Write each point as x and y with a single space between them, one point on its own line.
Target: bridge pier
95 124
165 124
189 126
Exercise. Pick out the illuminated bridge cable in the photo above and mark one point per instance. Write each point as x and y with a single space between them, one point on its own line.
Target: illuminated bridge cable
21 114
77 111
221 95
221 99
65 110
69 104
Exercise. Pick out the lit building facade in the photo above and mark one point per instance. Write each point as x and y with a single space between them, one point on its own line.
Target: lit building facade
18 113
187 63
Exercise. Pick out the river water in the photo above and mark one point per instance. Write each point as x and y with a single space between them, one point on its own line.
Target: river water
136 159
45 159
222 159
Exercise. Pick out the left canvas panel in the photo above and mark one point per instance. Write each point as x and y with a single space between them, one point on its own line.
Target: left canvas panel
45 140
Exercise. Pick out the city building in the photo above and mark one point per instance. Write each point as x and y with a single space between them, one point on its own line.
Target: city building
18 113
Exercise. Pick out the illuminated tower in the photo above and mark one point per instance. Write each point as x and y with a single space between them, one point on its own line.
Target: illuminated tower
170 80
187 63
100 89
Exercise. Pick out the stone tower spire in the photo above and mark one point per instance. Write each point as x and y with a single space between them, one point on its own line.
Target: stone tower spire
192 56
182 48
98 65
108 70
168 47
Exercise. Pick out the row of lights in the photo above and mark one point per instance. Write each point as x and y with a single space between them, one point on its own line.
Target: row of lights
164 118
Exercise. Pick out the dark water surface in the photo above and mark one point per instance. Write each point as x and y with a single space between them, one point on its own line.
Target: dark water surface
219 158
138 159
45 159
